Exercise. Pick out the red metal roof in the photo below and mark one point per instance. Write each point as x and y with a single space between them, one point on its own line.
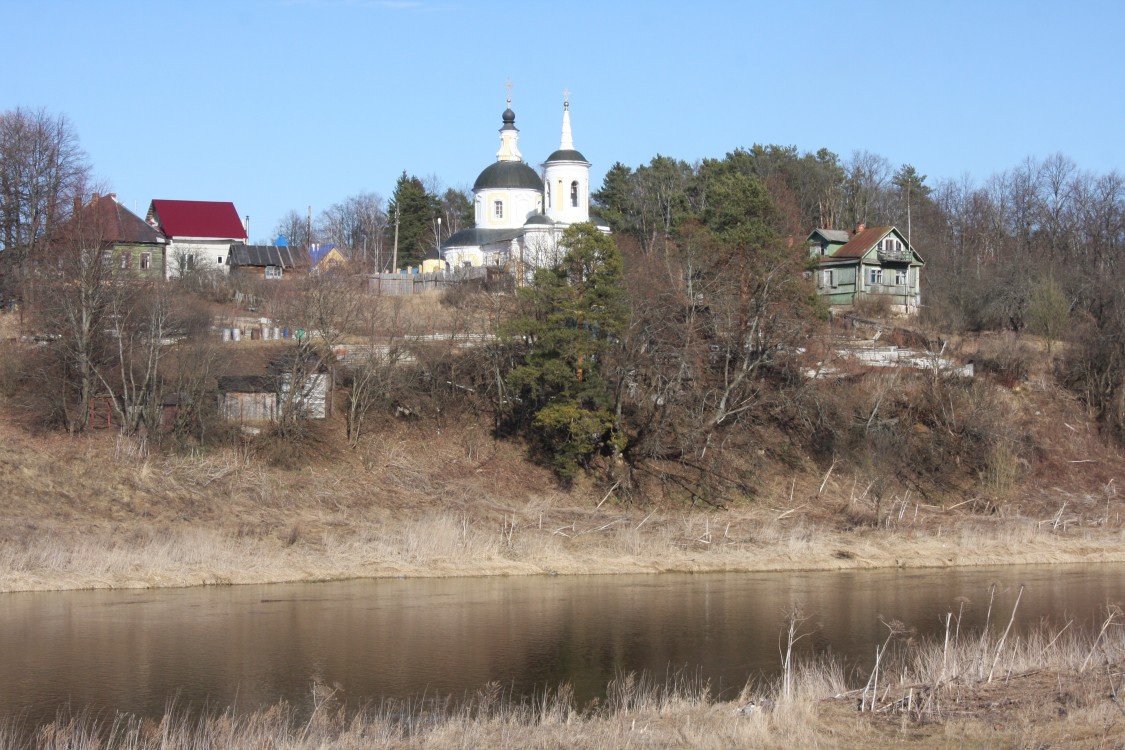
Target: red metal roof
197 219
860 243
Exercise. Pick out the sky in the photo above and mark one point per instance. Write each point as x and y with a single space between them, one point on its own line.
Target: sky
279 105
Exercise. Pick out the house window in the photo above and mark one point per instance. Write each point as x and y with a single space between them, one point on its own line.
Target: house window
124 261
145 260
828 278
574 194
498 209
189 261
273 272
900 276
874 276
219 260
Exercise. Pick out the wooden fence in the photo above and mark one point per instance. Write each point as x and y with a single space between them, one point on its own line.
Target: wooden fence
486 278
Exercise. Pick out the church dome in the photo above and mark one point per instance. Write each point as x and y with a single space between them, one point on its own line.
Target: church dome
536 219
567 154
509 118
508 175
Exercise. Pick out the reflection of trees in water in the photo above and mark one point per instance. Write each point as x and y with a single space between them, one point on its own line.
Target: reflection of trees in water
409 639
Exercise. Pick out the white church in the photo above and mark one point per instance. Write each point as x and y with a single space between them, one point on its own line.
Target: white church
520 216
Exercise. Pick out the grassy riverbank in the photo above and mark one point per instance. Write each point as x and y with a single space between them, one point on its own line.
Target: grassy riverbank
1047 689
96 512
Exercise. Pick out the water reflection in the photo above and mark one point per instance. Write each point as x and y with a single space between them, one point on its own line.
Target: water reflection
251 646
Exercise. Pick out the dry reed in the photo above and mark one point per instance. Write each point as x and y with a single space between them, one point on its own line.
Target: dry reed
1053 687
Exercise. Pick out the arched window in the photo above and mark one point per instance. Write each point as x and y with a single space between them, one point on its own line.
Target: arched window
574 194
498 209
548 195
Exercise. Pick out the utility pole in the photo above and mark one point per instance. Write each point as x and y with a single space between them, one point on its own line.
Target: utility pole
394 259
908 240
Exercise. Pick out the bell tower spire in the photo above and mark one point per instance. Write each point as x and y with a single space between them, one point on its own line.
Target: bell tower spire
509 134
566 177
566 143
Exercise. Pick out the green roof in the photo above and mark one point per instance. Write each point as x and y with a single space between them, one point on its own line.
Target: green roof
508 174
567 154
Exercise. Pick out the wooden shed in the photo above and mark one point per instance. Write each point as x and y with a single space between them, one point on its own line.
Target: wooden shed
267 261
248 398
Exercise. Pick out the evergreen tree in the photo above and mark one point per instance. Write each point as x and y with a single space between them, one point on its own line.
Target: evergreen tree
614 201
414 210
574 313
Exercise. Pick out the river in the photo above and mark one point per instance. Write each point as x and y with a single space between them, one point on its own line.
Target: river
250 646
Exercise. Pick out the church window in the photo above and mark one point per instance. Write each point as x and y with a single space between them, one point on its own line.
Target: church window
498 209
574 194
548 195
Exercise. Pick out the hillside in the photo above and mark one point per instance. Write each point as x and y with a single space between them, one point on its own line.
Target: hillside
427 497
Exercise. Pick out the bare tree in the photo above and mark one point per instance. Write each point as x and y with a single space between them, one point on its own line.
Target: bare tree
42 170
375 362
326 307
141 321
294 227
866 183
74 291
357 224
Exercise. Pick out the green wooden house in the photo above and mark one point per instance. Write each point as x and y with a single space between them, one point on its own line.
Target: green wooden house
134 248
871 263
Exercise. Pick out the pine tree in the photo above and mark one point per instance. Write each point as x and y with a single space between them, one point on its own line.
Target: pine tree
574 314
415 210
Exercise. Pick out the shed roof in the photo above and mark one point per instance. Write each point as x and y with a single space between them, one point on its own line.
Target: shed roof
247 384
217 219
261 256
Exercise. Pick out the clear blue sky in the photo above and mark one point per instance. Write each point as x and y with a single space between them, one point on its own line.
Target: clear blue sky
281 104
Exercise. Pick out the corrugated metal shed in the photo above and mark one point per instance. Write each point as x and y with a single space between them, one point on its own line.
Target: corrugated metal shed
260 256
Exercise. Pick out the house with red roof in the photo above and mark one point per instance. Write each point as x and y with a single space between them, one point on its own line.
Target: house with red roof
871 263
134 247
199 234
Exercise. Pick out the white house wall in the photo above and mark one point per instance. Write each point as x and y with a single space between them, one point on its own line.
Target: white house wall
210 255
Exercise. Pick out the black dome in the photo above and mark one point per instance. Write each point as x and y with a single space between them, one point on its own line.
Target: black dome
508 174
509 116
567 154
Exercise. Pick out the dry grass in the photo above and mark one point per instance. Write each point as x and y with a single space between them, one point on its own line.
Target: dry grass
100 512
429 499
